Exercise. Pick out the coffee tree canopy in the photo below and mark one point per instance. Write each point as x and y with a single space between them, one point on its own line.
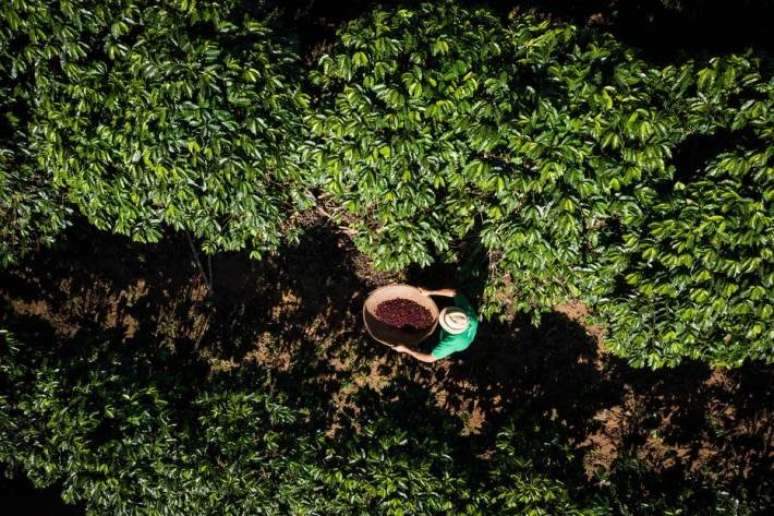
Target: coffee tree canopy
174 114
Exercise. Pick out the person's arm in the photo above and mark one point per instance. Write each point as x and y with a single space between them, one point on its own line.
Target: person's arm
422 357
445 292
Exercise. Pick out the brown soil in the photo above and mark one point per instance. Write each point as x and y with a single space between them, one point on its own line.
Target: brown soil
297 312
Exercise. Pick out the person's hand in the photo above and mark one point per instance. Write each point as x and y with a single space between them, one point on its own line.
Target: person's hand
400 348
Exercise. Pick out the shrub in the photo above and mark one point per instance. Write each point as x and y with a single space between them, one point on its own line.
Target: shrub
585 149
700 271
31 210
391 147
173 114
438 124
133 428
560 154
130 429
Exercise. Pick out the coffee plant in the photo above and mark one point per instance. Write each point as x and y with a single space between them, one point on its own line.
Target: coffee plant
554 155
163 114
134 428
700 276
591 137
31 210
553 149
440 124
129 437
391 146
130 429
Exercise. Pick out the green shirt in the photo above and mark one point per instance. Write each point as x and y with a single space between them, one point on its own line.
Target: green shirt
449 343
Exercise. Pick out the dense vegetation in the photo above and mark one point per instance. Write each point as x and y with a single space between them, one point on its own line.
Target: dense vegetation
555 148
581 171
130 429
119 428
149 115
554 158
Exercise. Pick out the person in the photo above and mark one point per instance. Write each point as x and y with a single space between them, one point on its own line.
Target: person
459 324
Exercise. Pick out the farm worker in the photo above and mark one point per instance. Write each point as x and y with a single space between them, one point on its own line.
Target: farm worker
459 324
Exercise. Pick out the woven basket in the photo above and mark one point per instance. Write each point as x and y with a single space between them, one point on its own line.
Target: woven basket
390 335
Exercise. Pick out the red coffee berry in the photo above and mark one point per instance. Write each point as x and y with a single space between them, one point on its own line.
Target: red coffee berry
404 314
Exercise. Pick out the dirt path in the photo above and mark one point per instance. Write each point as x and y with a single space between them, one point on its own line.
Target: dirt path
298 313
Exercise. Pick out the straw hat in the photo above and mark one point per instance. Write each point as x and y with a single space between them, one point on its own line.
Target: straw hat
454 320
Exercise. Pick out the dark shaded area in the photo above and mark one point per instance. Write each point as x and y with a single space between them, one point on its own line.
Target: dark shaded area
694 153
156 291
468 270
685 430
665 30
689 423
298 313
19 496
277 311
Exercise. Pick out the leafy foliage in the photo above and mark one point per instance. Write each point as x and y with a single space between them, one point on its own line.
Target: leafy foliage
574 169
583 151
134 430
31 210
441 123
391 141
553 149
700 277
163 114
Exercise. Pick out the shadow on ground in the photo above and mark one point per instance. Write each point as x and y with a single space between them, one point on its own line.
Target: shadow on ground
19 493
664 30
298 314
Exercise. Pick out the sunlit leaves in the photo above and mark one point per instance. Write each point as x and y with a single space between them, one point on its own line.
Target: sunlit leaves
560 156
555 149
159 116
400 126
